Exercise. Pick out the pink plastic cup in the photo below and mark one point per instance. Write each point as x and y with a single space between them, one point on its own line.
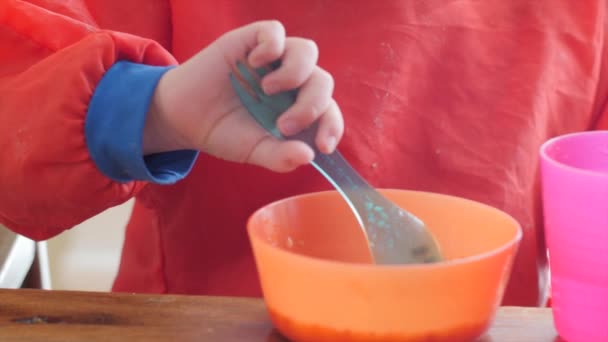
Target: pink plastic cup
574 170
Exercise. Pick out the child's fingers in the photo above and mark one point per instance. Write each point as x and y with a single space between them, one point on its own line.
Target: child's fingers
269 43
297 63
280 156
263 41
331 128
313 100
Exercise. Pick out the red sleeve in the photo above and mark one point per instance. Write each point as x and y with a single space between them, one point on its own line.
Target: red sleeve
50 64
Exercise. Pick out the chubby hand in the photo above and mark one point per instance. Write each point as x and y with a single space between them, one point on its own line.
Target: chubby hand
195 106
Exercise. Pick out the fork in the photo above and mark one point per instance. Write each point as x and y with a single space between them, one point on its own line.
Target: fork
394 235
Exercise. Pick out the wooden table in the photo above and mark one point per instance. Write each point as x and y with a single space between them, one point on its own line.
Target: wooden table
38 315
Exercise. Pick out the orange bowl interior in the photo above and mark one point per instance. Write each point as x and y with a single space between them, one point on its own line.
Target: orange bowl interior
319 283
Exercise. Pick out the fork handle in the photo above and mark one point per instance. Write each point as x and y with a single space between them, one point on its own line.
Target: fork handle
336 169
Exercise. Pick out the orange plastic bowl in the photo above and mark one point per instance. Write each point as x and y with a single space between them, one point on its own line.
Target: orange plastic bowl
319 283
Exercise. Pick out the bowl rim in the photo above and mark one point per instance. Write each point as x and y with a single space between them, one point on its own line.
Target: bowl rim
444 264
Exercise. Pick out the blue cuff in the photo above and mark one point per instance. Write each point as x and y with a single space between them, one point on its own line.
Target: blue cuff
114 128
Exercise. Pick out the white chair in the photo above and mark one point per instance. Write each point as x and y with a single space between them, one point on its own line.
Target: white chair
23 262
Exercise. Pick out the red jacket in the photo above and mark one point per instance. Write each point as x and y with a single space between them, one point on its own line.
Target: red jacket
446 96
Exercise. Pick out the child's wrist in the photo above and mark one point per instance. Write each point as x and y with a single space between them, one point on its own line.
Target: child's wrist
158 135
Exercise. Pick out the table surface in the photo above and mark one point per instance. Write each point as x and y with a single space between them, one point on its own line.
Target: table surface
38 315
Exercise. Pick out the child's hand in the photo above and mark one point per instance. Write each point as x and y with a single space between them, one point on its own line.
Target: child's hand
195 107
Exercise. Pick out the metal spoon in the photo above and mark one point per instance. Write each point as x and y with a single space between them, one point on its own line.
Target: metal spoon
394 235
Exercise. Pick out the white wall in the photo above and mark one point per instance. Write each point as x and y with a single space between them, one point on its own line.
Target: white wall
87 256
